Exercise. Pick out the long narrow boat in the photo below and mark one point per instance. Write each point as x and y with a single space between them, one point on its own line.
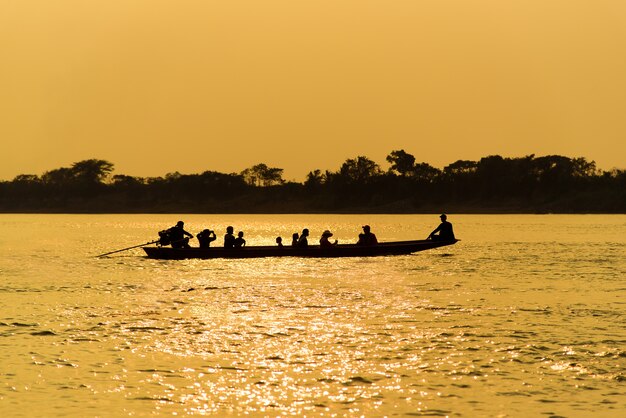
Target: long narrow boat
341 250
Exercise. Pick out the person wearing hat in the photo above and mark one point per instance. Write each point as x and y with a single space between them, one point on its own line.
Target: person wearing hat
324 242
444 231
367 238
177 235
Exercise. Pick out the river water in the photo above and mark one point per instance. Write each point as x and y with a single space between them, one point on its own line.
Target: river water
525 316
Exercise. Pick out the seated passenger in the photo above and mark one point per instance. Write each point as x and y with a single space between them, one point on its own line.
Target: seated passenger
206 237
294 239
303 242
239 241
445 232
229 238
367 238
279 241
324 242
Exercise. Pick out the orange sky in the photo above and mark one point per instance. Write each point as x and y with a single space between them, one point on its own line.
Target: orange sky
158 86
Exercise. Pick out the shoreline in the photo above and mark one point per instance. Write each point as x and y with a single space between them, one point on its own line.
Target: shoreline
370 212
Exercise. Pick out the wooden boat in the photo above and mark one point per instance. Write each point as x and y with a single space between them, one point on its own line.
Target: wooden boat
341 250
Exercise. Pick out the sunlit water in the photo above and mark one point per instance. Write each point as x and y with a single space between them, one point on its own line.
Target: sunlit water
524 317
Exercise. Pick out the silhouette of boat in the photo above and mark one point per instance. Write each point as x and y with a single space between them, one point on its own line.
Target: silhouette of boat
341 250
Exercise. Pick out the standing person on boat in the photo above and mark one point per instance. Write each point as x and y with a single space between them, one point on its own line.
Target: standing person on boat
303 242
367 238
294 239
206 237
177 235
444 231
229 238
324 242
239 241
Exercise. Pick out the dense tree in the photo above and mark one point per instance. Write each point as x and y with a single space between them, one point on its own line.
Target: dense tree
359 170
460 168
262 175
91 171
315 179
121 180
60 177
425 173
401 162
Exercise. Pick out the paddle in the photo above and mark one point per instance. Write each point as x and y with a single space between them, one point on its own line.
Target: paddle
129 248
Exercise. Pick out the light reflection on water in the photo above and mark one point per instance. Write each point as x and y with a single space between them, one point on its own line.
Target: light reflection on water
523 317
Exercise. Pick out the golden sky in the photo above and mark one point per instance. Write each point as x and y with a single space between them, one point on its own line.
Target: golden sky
158 86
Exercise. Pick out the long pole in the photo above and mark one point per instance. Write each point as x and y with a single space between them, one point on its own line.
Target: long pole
128 248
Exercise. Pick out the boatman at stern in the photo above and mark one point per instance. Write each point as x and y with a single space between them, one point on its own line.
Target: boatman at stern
444 231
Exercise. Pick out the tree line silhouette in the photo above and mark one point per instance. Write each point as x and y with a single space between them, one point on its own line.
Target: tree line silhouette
493 184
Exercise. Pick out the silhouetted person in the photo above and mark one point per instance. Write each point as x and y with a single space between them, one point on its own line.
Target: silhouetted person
177 235
444 231
367 238
206 237
294 239
239 241
279 241
303 242
229 238
324 242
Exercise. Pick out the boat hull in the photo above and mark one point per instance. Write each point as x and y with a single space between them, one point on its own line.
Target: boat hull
345 250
